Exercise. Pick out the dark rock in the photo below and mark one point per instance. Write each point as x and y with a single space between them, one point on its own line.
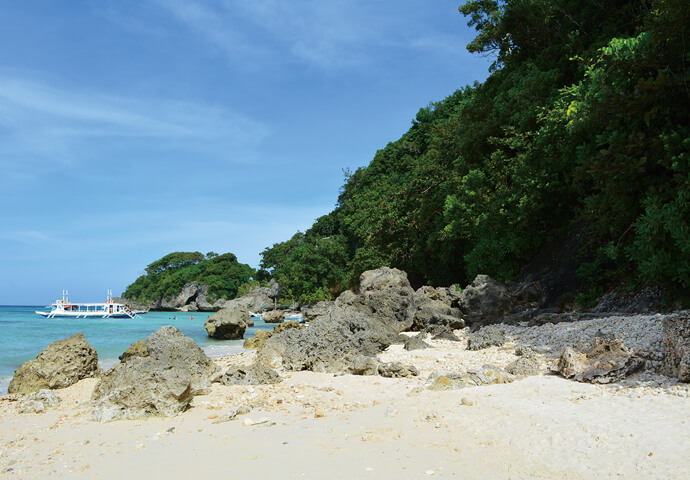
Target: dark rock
397 370
59 365
445 335
228 323
646 300
608 361
676 338
434 310
160 384
387 294
486 337
255 374
486 301
416 343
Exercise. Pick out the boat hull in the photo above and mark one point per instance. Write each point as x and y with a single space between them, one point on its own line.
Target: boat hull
84 315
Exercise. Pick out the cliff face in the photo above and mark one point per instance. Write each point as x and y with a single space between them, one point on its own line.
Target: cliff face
194 298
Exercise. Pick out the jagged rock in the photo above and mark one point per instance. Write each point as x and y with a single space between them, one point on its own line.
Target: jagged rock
609 361
524 366
254 374
486 301
486 337
229 323
257 340
312 312
160 384
387 294
37 402
434 310
397 370
676 338
59 365
486 375
275 316
137 349
446 335
416 343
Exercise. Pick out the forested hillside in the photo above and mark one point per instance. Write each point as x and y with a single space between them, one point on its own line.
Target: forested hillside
584 121
166 277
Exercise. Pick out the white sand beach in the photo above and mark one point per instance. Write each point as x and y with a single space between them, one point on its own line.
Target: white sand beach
317 426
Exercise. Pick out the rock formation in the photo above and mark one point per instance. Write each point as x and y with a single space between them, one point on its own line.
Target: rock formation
254 374
60 365
161 383
229 323
608 361
676 338
486 337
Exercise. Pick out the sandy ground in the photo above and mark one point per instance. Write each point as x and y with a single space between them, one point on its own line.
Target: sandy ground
318 426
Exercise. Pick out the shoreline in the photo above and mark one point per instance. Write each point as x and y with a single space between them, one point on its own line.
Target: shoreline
344 426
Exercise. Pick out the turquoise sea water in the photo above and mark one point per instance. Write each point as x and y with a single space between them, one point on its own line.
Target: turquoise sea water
23 335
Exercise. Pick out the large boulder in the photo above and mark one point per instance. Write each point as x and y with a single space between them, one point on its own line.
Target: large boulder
434 311
387 294
332 342
60 365
485 302
676 338
160 383
228 323
254 374
491 336
274 316
608 361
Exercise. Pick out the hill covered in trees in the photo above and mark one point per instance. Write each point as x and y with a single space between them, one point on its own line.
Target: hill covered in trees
166 277
582 124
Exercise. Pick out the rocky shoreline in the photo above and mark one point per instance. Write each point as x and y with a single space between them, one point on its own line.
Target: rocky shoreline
399 360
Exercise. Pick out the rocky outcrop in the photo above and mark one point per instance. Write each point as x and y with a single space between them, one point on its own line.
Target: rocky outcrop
356 325
416 343
397 370
435 311
676 338
608 361
275 316
229 323
60 365
486 337
161 383
485 301
254 374
193 297
258 340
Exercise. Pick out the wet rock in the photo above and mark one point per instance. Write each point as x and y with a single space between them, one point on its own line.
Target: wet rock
486 337
160 384
609 361
254 374
229 323
59 365
676 338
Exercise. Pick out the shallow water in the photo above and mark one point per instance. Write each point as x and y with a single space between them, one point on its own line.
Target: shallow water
24 334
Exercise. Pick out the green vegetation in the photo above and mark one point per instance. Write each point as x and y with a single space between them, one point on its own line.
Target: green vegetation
166 277
584 120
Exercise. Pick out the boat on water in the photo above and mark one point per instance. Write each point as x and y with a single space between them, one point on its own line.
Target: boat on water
109 309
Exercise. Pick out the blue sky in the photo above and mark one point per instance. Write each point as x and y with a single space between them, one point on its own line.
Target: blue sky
132 129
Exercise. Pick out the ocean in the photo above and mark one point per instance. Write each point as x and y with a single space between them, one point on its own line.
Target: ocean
23 335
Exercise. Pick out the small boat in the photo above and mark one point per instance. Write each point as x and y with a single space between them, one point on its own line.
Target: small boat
256 315
294 316
108 309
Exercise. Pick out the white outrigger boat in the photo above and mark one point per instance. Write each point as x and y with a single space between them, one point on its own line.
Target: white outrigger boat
108 309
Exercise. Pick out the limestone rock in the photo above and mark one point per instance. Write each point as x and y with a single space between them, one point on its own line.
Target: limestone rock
416 343
524 367
486 337
229 323
435 310
257 340
160 384
676 338
59 365
275 316
254 374
609 361
486 375
281 327
485 301
37 402
397 370
137 349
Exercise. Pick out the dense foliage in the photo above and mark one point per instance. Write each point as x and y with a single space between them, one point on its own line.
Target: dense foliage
166 277
584 120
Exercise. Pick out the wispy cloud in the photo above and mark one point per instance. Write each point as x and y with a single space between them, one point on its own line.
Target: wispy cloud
42 123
